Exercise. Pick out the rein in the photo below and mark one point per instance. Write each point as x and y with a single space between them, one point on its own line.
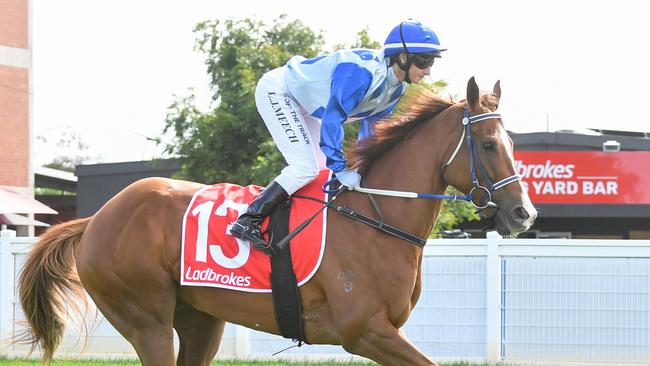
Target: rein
346 211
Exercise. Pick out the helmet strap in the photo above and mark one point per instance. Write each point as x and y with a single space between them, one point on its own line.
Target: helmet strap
405 66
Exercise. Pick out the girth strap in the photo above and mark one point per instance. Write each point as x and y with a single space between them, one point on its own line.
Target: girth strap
286 295
388 229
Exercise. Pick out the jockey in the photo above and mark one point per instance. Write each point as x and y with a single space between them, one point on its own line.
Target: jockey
307 101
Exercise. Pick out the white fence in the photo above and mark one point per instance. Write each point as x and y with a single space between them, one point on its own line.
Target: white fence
518 300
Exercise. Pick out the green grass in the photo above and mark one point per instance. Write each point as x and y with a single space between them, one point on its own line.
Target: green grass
6 362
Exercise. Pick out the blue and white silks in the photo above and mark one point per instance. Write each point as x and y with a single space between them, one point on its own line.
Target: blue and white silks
341 87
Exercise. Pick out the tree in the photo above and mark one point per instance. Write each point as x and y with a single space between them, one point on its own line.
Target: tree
363 41
70 150
231 143
454 213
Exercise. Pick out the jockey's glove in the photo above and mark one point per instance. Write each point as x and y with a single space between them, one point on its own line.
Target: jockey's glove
349 178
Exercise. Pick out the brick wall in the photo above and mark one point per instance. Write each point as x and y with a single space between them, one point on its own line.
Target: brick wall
14 97
14 126
14 30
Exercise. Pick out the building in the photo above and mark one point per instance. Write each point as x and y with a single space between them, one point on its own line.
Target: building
16 121
585 185
97 183
15 96
58 190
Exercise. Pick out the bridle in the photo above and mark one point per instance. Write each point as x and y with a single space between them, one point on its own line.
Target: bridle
489 188
485 201
472 152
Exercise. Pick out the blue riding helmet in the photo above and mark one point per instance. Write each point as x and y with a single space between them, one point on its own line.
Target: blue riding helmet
412 37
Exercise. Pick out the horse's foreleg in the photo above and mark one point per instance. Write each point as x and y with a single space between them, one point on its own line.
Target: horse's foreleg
381 342
199 335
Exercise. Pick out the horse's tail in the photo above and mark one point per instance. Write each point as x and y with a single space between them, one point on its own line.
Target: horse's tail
47 282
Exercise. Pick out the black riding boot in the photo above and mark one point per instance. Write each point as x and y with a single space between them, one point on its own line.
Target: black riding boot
247 226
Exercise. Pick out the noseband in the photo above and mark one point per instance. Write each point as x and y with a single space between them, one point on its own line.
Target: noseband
489 186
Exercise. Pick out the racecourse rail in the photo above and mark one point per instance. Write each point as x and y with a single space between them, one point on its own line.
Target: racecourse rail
547 301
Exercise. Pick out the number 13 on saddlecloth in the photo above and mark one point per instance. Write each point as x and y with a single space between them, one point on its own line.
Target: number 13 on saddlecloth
204 211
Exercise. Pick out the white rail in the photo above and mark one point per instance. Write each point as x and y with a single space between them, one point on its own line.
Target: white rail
545 301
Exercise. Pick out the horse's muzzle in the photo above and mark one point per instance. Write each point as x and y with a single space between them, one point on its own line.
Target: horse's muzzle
509 222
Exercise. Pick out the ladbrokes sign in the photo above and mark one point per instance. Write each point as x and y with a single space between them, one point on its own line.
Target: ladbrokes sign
585 177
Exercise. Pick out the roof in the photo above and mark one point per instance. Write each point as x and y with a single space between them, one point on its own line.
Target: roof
56 174
560 141
13 202
19 220
54 178
621 133
150 167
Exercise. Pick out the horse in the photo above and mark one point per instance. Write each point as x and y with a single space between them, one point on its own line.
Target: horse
127 256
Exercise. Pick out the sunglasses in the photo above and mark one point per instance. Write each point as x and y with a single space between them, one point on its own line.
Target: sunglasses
423 60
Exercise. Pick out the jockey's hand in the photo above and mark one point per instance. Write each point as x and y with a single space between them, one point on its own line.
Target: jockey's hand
349 178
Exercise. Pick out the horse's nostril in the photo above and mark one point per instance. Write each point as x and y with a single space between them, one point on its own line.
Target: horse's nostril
522 213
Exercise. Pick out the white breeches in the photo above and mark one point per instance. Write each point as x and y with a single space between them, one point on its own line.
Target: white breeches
296 133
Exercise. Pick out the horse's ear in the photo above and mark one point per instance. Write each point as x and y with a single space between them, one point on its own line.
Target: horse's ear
497 90
473 98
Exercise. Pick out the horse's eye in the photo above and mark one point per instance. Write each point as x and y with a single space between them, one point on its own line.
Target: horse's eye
489 146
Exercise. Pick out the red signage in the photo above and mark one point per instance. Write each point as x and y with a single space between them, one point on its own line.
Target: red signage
568 177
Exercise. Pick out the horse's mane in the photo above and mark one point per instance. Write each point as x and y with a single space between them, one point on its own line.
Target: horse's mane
416 107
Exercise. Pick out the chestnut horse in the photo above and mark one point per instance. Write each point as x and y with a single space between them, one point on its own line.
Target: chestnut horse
127 256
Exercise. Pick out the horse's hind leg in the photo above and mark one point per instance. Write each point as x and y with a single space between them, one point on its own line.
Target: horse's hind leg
147 328
199 335
138 303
